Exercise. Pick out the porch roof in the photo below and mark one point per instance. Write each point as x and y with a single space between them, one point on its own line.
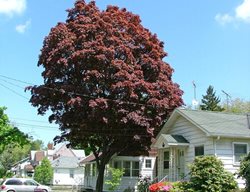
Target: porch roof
171 140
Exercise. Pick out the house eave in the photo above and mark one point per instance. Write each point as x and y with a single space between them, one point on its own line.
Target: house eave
240 136
178 144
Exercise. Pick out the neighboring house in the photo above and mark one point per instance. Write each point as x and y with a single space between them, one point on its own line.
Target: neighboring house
37 157
133 166
67 171
65 164
23 168
190 133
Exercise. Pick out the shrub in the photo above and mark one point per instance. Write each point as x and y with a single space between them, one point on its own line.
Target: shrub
115 181
207 174
244 171
44 172
143 184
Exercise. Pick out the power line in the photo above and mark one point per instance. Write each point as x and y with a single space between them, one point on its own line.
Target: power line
13 91
76 93
17 80
33 125
31 120
12 84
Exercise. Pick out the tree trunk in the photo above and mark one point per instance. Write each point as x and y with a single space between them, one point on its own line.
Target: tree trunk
100 177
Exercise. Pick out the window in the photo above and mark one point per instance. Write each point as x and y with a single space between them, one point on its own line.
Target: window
148 163
93 169
240 150
71 173
118 164
135 169
198 150
13 182
29 182
130 168
126 167
87 169
166 160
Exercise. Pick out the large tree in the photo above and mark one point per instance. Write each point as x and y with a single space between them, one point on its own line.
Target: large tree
105 82
210 102
10 134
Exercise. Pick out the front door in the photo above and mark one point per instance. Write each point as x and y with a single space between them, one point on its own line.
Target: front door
180 164
166 163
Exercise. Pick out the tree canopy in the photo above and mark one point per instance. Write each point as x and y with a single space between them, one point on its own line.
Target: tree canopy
105 82
8 133
238 105
44 172
13 153
210 102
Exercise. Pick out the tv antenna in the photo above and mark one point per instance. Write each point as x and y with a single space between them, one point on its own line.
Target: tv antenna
194 101
227 96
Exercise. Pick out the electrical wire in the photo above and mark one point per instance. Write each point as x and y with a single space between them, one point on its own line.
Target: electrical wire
87 131
73 93
13 91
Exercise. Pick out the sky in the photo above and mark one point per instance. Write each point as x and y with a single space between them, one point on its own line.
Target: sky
208 43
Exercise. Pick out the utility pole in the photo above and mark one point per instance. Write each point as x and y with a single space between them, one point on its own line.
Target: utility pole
227 96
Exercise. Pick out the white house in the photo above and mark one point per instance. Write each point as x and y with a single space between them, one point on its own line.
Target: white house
189 133
133 166
67 171
23 168
65 163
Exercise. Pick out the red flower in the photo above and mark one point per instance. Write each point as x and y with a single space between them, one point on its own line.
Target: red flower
156 187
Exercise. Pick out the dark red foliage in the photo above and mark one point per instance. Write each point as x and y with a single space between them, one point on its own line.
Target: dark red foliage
105 80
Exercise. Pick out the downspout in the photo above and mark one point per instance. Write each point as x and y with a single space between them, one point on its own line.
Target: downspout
215 144
248 120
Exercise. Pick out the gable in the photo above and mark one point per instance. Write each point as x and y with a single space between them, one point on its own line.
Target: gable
64 151
182 126
210 123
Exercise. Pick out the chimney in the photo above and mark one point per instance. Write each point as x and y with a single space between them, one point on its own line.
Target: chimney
50 146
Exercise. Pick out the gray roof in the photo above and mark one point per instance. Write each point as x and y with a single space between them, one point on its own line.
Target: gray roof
218 123
65 162
174 139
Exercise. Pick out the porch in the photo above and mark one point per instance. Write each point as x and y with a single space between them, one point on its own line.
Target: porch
171 157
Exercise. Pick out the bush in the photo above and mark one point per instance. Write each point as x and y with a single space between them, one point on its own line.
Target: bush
44 172
116 178
207 174
143 184
244 171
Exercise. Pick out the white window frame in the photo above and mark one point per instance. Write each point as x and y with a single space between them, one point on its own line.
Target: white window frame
71 173
147 164
197 147
166 159
130 167
239 143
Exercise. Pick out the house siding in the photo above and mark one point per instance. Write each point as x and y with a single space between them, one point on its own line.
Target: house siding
62 176
194 135
197 127
126 182
224 151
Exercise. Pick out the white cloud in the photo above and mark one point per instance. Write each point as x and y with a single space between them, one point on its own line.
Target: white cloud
11 7
22 27
223 19
243 11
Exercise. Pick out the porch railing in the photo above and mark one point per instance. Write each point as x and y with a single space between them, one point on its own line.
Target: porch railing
164 178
